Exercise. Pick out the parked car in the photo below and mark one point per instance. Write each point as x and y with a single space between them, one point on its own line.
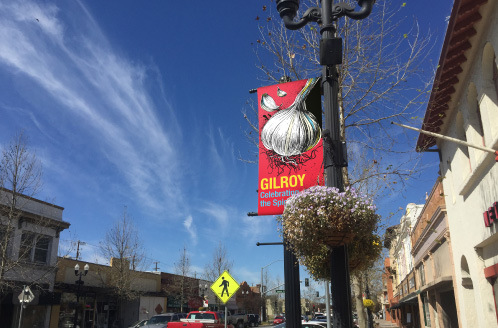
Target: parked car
239 320
161 320
321 318
278 319
306 325
139 323
201 319
253 320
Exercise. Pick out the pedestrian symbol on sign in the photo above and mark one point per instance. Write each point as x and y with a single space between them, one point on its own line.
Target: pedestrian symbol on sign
225 284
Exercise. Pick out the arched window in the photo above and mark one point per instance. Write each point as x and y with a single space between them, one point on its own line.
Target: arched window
462 152
468 293
489 69
476 129
488 95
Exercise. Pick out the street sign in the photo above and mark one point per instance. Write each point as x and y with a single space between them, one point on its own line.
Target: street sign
225 286
280 291
26 295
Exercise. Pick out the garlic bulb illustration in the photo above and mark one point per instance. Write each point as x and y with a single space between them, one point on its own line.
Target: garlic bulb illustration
268 103
281 93
294 130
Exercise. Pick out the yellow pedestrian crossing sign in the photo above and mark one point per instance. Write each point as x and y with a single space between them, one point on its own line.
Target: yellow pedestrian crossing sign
225 286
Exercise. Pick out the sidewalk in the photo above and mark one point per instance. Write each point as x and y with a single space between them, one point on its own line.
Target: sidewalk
381 323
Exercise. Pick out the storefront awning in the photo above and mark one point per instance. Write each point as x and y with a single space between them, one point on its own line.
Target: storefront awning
410 298
439 282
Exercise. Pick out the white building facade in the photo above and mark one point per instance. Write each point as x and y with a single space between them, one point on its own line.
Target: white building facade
31 241
464 105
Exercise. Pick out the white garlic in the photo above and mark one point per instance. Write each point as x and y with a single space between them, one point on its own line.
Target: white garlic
268 104
294 130
281 93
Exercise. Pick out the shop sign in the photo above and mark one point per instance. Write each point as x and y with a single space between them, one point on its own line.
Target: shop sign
490 215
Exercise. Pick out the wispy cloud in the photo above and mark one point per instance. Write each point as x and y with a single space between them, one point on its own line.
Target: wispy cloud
191 229
101 92
221 215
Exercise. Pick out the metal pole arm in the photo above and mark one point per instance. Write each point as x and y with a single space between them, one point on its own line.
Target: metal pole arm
343 9
313 14
269 290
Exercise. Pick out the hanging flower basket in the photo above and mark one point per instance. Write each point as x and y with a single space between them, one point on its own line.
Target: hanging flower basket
336 238
369 304
320 218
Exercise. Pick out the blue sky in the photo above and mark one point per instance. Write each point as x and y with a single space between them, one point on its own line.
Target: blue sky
138 104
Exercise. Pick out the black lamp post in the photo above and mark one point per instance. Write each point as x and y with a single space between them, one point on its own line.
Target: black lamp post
79 283
334 149
203 289
369 312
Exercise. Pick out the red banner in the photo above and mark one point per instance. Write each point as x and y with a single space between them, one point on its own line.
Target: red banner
290 143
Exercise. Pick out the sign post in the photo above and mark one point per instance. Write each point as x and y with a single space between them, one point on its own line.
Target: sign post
224 287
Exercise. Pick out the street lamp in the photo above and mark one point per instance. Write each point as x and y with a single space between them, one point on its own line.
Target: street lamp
263 305
203 289
79 283
369 312
334 152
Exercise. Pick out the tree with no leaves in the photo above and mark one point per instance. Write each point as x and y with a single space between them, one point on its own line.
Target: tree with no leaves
123 247
385 76
220 262
184 286
29 228
20 177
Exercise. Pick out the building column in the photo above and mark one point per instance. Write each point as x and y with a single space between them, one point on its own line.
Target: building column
447 236
439 309
431 298
421 311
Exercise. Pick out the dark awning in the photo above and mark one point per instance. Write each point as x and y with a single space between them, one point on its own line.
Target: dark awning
410 298
438 283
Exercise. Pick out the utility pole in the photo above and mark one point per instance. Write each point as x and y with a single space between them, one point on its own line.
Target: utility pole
78 249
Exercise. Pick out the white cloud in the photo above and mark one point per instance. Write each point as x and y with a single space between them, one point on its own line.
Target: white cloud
191 229
102 93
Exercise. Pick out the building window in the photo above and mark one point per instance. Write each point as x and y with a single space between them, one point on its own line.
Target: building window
34 247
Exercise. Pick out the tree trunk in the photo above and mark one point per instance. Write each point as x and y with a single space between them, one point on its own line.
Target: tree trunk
358 299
